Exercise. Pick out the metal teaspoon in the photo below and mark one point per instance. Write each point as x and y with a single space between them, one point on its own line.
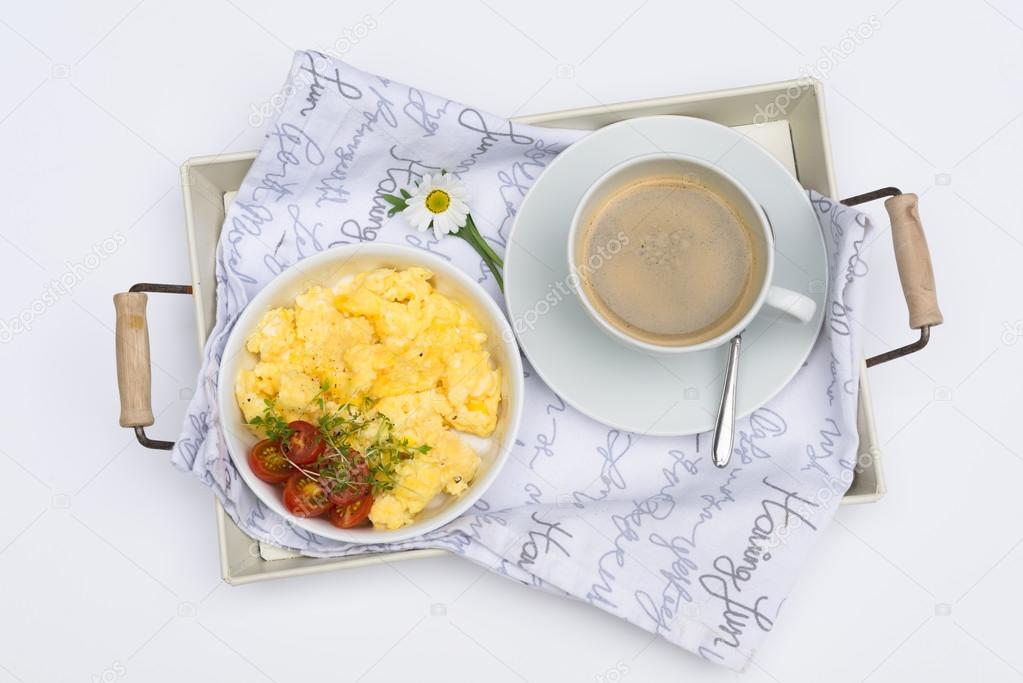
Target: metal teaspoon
724 427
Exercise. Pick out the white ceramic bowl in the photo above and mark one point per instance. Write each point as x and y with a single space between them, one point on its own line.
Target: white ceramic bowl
326 269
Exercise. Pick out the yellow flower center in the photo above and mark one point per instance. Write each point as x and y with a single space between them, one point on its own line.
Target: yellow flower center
438 201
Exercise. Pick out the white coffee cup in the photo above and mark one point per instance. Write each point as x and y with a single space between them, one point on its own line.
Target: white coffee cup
693 170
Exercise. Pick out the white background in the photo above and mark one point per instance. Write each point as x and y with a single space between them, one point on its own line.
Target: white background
108 556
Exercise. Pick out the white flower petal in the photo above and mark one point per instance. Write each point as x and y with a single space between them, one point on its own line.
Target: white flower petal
417 199
418 216
456 188
453 223
457 219
423 222
442 224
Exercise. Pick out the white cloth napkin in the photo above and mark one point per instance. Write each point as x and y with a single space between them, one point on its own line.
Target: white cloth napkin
643 527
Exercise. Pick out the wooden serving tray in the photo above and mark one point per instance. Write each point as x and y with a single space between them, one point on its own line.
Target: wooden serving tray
786 118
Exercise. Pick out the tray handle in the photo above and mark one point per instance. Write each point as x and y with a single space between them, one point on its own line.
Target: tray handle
913 259
134 367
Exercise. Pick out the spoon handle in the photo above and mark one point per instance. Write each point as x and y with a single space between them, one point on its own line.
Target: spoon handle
724 428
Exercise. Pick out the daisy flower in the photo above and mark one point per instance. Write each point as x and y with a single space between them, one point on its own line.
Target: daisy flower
440 201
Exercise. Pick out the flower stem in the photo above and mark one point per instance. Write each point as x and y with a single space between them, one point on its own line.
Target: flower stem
479 249
471 225
471 234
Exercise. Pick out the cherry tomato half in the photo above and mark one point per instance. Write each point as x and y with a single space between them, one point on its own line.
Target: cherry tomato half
268 462
304 497
351 515
349 475
305 444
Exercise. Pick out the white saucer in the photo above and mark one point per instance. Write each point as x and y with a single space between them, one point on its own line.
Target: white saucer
627 389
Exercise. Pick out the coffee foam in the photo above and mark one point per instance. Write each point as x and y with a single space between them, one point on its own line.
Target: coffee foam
689 269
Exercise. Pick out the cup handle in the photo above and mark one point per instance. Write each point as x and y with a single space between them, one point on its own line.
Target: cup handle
799 306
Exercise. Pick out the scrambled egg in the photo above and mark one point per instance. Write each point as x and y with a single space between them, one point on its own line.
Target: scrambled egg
385 336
